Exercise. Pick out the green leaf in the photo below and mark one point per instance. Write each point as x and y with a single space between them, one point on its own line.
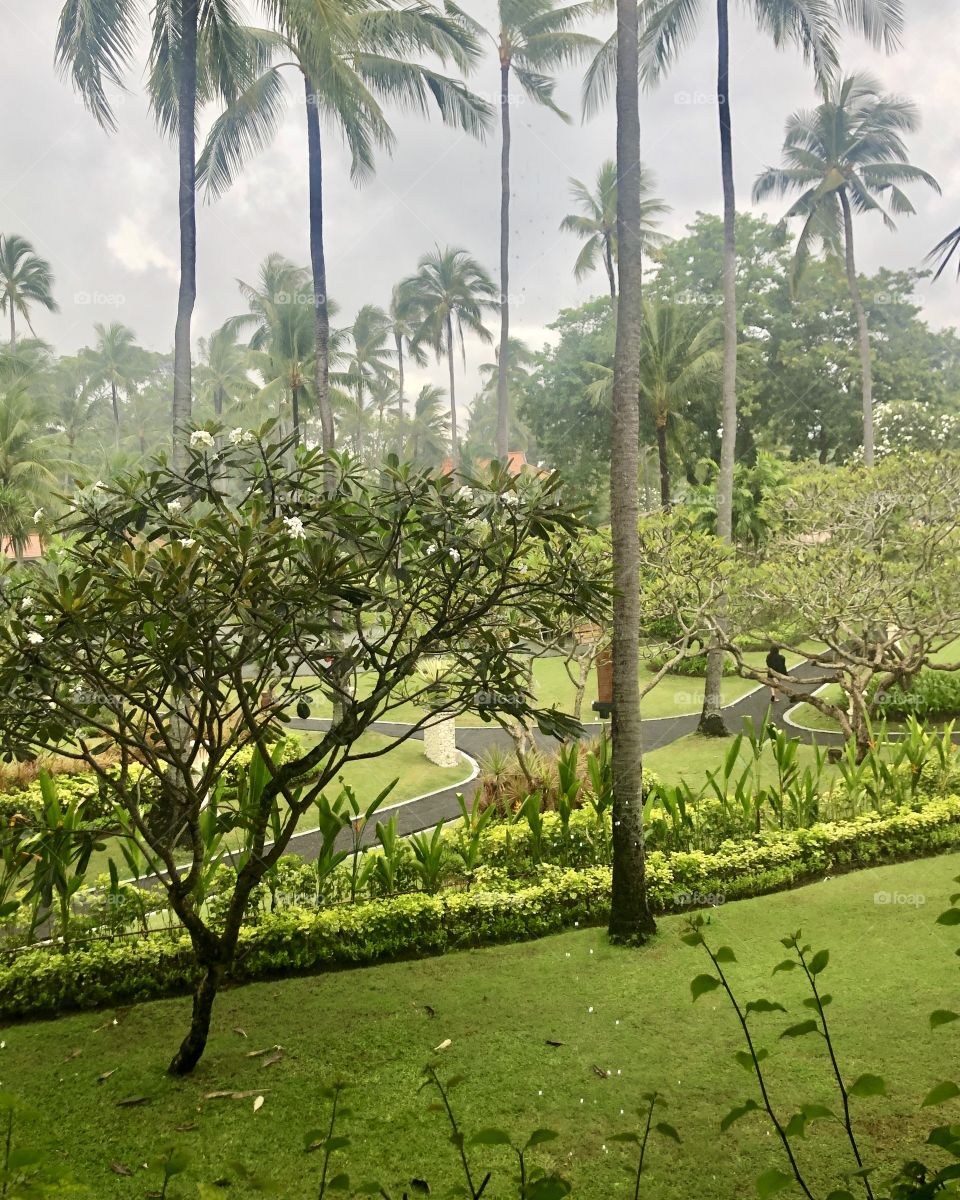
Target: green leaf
667 1131
339 1183
735 1114
703 984
771 1182
819 962
800 1030
941 1094
811 1001
788 964
490 1137
943 1016
539 1136
765 1006
950 917
725 955
868 1085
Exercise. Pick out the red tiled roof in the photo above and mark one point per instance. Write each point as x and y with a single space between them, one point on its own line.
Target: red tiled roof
32 549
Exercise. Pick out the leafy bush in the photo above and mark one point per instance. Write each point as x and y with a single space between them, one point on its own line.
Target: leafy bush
929 694
40 981
690 665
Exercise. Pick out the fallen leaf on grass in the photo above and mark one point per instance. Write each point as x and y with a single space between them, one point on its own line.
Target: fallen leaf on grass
553 1042
258 1104
133 1101
232 1095
120 1169
261 1053
105 1075
188 1128
240 1032
444 1045
73 1054
274 1058
601 1072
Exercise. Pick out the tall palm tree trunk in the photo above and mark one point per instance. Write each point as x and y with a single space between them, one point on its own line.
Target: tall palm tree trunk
863 331
295 411
218 403
503 361
13 327
319 267
608 263
454 438
398 338
114 400
664 465
187 144
711 718
630 916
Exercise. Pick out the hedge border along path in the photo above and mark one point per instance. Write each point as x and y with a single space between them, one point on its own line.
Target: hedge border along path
41 982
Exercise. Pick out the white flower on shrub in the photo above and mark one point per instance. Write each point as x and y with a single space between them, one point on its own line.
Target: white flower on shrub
294 527
175 506
38 515
99 486
430 548
454 554
26 604
34 638
186 543
465 493
511 498
201 439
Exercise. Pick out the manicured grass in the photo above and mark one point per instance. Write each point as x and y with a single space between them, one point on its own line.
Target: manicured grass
689 758
674 696
624 1011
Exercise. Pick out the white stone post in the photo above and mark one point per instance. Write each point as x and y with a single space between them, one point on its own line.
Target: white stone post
440 740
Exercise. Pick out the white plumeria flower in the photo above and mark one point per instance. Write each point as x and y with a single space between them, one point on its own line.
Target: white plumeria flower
294 527
99 486
431 548
175 506
465 493
522 569
512 499
38 515
237 435
454 554
201 438
186 543
34 638
26 604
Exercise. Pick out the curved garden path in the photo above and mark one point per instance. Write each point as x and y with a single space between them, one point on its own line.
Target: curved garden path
426 811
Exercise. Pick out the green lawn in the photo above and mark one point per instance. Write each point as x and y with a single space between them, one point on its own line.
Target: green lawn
675 695
623 1011
690 757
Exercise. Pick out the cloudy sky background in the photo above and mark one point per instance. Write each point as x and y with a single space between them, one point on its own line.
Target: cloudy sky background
103 208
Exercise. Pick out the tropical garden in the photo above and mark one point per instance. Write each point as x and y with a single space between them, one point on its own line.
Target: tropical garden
550 790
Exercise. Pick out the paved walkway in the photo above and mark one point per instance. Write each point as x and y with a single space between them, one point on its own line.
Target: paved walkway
425 813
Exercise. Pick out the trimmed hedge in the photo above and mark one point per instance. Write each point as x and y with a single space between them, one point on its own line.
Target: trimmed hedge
40 982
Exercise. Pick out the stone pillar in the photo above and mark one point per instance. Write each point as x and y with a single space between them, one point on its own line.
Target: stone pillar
440 740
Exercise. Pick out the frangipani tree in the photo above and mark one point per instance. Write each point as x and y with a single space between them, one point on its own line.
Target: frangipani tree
175 620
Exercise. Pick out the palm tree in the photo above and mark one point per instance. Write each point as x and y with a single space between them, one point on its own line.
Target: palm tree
367 364
403 325
117 363
283 342
843 156
28 459
223 373
351 56
533 38
451 291
76 401
944 250
429 427
668 26
630 915
199 52
681 358
596 222
25 279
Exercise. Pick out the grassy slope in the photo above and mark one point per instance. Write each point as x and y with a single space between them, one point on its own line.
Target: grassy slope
674 696
890 965
690 757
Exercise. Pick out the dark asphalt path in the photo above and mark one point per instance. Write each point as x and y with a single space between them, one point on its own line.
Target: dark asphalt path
424 813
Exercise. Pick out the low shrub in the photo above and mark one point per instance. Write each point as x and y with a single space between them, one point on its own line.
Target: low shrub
929 694
41 981
690 665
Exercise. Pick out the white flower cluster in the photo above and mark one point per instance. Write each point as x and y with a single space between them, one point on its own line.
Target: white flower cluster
294 527
200 439
240 436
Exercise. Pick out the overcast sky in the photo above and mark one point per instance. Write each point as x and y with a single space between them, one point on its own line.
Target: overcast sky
103 208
